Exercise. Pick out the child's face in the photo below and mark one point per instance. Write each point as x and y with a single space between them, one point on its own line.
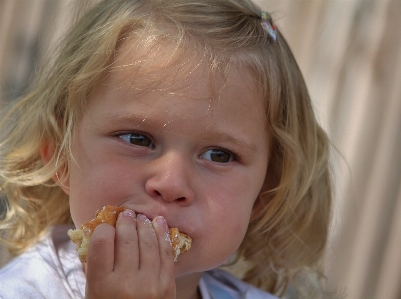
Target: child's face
170 152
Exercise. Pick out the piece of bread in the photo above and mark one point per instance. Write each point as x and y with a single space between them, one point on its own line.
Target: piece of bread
180 242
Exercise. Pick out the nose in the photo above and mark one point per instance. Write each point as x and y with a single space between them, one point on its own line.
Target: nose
170 179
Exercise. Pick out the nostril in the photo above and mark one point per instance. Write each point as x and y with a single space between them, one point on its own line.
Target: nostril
157 193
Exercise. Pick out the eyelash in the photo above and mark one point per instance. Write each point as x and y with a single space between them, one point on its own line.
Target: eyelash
151 140
234 155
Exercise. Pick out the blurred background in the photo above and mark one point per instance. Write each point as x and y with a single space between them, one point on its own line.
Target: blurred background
350 54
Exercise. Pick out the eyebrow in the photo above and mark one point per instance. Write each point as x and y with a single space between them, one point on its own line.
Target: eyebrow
137 118
222 136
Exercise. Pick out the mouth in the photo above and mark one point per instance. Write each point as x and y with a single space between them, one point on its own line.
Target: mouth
180 242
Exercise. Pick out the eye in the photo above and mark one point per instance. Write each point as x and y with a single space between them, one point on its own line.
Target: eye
137 139
218 156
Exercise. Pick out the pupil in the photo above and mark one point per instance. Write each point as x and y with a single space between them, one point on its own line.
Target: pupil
220 156
139 140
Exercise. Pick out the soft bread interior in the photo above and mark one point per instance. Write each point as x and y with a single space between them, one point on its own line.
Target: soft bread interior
180 242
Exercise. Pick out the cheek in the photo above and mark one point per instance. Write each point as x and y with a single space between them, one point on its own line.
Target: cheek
230 214
223 233
238 221
235 200
233 208
94 185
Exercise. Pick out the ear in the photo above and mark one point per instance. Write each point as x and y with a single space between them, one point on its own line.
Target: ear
260 206
47 152
271 181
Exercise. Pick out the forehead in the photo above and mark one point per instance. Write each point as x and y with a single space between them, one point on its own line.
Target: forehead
159 63
155 72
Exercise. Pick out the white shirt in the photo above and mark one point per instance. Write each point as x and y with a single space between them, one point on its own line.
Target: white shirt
51 269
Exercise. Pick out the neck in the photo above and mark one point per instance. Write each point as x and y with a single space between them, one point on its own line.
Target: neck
187 286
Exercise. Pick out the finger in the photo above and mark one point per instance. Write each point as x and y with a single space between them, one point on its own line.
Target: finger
100 257
165 249
148 245
127 251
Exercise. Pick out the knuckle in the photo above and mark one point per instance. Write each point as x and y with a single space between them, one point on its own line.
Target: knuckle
154 289
167 252
148 244
125 239
153 293
100 241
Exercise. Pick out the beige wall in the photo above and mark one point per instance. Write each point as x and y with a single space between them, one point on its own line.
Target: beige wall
350 53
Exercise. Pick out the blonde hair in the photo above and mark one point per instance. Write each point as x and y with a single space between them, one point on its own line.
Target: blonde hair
289 234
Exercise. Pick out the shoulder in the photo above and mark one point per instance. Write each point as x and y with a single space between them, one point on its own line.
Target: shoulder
218 283
40 272
16 276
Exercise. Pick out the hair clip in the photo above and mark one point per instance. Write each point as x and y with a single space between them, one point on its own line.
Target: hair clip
267 26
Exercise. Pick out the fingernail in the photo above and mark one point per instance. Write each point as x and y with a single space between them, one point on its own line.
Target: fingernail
144 219
129 213
161 221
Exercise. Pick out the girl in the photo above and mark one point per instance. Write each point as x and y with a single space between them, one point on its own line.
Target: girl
187 114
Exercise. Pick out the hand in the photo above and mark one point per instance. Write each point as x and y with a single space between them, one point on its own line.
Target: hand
133 260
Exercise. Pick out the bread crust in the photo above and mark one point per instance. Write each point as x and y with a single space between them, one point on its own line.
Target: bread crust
180 242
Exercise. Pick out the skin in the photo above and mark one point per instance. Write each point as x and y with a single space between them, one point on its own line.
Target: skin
168 156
